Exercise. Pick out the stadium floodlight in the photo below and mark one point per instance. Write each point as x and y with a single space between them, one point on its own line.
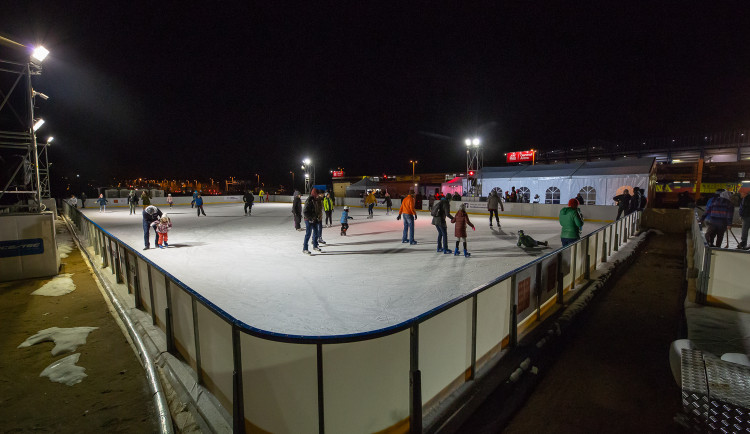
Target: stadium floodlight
50 139
40 53
306 161
38 124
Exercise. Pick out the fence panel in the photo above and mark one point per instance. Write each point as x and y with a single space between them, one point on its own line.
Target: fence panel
280 385
493 320
445 351
160 298
145 285
367 384
726 285
182 321
217 363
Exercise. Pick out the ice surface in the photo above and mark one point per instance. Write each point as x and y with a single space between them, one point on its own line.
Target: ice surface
66 339
253 267
65 371
59 285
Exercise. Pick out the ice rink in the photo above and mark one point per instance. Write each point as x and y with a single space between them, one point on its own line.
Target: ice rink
253 267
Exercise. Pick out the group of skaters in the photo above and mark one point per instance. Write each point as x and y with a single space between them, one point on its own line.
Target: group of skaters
719 216
101 201
628 204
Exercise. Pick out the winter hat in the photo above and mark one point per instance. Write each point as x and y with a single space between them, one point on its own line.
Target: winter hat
573 203
346 208
314 192
725 195
151 209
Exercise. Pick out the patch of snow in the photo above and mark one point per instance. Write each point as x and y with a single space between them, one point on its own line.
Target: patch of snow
59 285
738 358
64 239
65 371
66 339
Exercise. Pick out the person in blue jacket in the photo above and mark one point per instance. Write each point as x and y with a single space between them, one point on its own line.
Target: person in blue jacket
150 215
199 205
345 220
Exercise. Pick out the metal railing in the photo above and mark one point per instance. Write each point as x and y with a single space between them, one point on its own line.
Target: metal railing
423 359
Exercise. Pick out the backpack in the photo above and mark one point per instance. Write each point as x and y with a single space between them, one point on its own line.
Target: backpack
435 211
745 206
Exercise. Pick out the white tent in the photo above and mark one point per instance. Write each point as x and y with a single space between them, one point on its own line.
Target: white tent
597 181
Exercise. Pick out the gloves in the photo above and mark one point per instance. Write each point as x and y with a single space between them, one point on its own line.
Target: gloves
415 216
399 217
473 228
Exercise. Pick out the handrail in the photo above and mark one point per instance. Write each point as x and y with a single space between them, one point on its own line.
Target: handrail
354 337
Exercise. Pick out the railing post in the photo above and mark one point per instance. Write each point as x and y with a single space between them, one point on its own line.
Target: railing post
616 244
137 285
473 337
321 402
596 250
128 280
168 318
105 252
604 246
415 382
611 234
538 290
95 241
117 262
573 265
560 279
197 339
238 402
513 339
151 294
587 260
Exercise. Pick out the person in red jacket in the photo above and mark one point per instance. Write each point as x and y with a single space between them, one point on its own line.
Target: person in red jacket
461 219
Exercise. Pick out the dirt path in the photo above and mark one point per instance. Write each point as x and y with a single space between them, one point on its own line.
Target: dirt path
613 373
113 398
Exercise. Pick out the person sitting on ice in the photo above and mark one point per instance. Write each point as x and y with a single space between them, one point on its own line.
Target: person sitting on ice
526 241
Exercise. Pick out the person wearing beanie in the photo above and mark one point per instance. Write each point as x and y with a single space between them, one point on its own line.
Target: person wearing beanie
719 212
310 213
150 214
571 222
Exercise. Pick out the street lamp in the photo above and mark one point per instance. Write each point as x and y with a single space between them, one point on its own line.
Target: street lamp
258 176
413 163
473 162
292 172
309 169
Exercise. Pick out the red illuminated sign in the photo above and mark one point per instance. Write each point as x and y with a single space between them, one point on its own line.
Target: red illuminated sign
338 173
517 157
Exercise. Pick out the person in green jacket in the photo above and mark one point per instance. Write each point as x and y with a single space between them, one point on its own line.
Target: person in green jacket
328 209
571 222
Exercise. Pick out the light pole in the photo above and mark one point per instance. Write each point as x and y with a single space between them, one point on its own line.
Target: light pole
292 172
258 176
474 161
413 163
309 169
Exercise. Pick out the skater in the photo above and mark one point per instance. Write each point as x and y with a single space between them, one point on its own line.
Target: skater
623 203
513 195
248 198
319 212
261 194
461 219
297 210
170 201
370 202
526 241
388 204
493 201
440 212
267 193
410 215
102 201
345 221
162 227
145 198
571 222
195 196
745 217
310 214
150 215
328 208
199 205
83 199
132 201
719 213
73 201
536 199
579 198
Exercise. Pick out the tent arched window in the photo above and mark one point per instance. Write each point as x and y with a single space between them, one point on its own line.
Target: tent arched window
524 194
499 191
552 195
589 195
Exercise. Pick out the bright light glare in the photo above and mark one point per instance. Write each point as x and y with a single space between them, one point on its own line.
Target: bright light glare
38 124
40 53
468 142
307 175
475 142
50 139
306 161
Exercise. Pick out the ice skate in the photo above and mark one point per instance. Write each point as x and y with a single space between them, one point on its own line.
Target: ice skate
317 249
160 246
306 252
439 249
412 242
456 252
447 252
321 242
165 244
466 254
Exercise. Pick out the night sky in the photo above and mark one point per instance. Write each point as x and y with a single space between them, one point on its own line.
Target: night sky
161 90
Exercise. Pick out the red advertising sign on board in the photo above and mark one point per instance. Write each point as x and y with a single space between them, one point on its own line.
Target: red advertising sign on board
517 157
338 173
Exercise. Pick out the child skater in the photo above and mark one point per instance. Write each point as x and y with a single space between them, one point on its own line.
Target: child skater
526 241
461 219
102 201
345 220
170 201
163 225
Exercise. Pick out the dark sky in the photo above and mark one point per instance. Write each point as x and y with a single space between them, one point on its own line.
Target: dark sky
160 89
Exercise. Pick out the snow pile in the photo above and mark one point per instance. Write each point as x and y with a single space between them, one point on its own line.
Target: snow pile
65 371
66 339
59 285
64 239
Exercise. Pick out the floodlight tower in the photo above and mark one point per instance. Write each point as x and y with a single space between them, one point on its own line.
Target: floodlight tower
309 169
474 162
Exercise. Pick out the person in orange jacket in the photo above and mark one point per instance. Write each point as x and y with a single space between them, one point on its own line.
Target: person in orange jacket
410 215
